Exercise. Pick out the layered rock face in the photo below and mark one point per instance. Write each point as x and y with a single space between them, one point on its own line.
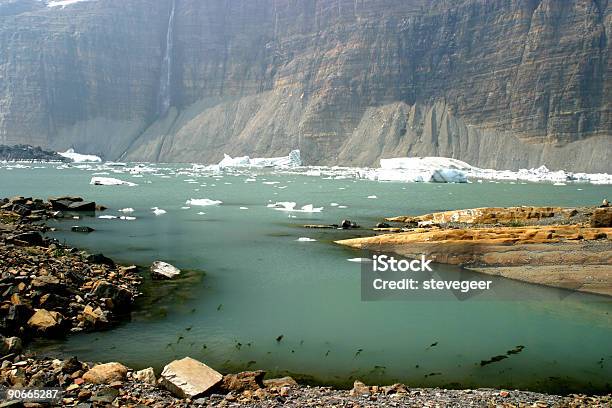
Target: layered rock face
500 83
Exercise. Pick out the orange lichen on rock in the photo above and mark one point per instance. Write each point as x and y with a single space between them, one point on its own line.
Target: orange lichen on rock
490 215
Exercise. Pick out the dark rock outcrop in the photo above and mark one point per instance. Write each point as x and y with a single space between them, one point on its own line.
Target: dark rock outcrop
28 153
502 84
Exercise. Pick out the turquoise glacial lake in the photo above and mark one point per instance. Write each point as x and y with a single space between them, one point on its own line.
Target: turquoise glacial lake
248 280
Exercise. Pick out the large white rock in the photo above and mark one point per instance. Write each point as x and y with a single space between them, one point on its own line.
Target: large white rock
163 270
189 378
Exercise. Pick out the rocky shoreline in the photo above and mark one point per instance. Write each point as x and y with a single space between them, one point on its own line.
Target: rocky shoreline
568 248
49 289
87 385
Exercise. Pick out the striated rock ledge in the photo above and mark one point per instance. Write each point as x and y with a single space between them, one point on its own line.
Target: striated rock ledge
499 84
561 247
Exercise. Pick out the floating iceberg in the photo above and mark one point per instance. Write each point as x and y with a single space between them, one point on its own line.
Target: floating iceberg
290 206
420 169
305 239
359 260
109 181
203 202
64 3
292 160
80 158
158 211
447 170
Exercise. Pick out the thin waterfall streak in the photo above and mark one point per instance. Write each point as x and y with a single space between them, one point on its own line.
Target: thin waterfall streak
164 101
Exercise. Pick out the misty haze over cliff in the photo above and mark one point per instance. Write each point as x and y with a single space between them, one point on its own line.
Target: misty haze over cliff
496 83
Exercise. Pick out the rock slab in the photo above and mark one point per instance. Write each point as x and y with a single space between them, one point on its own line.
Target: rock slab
189 378
163 270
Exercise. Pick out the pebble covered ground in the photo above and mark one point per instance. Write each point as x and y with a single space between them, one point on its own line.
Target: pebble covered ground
123 387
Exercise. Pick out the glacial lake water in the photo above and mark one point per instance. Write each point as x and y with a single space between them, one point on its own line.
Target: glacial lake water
248 280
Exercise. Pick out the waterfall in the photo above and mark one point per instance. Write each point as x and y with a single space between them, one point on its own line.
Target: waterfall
164 99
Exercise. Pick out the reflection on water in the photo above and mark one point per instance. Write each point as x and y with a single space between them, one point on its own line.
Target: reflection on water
260 283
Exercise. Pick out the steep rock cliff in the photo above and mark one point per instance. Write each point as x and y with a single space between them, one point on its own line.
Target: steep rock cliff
497 83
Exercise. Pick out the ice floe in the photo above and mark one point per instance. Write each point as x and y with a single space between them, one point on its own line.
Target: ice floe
305 239
290 206
359 260
64 3
80 158
420 169
203 202
110 181
126 210
158 211
446 170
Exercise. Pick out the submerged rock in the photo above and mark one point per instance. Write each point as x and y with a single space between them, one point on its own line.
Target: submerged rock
163 270
189 378
100 259
78 228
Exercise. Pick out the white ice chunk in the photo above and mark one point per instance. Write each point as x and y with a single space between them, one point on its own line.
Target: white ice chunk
305 239
158 211
360 260
203 202
290 206
64 3
109 181
80 158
